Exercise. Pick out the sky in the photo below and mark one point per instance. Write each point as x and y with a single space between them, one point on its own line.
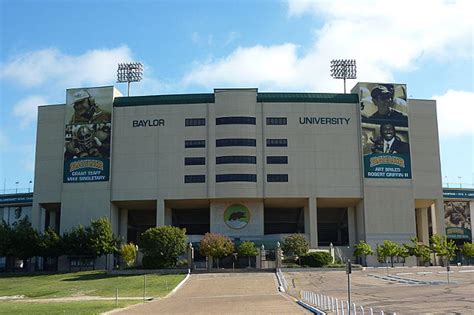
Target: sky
195 46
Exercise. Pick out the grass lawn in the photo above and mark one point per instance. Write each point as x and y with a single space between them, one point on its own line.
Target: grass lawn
83 307
91 283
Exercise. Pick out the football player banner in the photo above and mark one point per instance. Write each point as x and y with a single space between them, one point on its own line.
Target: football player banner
385 132
87 134
457 219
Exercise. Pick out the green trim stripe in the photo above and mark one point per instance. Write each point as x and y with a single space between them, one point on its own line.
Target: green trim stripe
204 98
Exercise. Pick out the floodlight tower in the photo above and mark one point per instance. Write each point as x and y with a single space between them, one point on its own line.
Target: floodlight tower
129 72
344 69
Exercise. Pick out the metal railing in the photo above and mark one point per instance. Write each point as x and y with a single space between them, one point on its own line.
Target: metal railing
338 307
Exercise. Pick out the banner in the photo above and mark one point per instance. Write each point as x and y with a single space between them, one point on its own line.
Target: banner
457 218
87 134
385 139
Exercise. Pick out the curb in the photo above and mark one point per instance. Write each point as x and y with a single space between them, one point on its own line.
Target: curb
310 308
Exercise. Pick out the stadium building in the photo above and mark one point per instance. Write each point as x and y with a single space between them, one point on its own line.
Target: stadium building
251 165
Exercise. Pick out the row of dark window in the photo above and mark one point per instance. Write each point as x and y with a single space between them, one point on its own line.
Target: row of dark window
235 120
225 178
236 159
235 142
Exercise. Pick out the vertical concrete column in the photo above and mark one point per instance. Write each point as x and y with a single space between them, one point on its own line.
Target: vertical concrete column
123 225
422 225
313 222
160 212
351 221
437 217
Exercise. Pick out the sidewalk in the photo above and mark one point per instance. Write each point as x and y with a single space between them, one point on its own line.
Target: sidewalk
249 293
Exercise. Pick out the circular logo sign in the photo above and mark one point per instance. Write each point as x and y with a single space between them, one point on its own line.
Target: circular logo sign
236 216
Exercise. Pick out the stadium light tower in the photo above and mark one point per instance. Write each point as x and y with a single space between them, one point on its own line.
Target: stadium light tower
344 69
129 72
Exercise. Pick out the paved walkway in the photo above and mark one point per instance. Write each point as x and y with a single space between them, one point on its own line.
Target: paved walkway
414 290
244 293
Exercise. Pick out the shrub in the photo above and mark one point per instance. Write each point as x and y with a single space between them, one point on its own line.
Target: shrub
216 246
418 249
152 262
316 259
295 244
443 247
468 250
129 254
164 245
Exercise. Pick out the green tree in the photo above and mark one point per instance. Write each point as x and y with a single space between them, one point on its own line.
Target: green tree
216 246
5 239
468 251
50 244
163 245
76 242
129 254
404 253
443 247
295 244
100 237
247 249
24 241
362 250
389 249
418 249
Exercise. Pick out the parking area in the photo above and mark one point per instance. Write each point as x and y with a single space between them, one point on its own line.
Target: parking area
223 293
409 290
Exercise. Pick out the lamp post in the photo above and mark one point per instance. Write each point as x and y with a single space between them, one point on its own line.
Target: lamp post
460 183
344 69
129 72
16 187
29 185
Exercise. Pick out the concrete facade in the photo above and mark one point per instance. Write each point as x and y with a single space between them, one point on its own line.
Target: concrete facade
323 169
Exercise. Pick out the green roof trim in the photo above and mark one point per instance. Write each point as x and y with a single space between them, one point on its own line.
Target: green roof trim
170 99
204 98
307 98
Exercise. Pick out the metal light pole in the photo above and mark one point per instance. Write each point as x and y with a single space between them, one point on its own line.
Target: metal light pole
129 72
344 69
460 183
16 187
349 271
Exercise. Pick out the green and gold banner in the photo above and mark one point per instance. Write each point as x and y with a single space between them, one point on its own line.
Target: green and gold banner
457 218
87 134
385 132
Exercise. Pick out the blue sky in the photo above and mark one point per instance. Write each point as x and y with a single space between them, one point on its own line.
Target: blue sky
195 46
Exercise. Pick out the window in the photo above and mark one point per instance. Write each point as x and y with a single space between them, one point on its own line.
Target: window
194 179
189 122
236 178
276 121
236 142
194 161
277 178
195 143
236 120
277 142
195 221
236 159
277 160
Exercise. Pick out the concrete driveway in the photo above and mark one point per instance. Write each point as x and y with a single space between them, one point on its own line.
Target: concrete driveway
223 293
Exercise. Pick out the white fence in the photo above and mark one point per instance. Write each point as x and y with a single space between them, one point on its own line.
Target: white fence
338 307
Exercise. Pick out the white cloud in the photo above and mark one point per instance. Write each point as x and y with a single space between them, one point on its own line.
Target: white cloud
27 109
37 68
455 111
383 36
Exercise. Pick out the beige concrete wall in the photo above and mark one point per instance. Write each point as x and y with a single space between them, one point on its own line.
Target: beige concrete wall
48 159
253 228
